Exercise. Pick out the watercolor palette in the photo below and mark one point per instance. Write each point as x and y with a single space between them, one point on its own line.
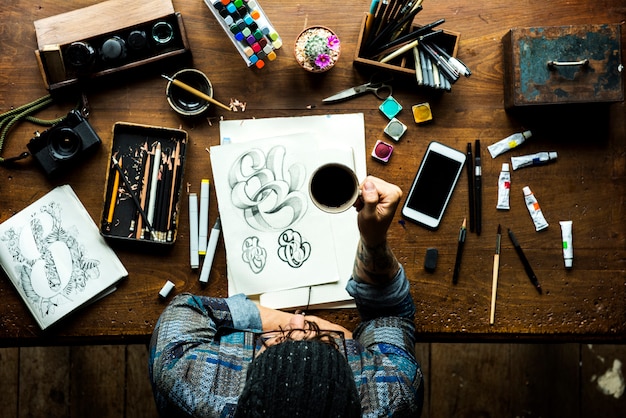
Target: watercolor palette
390 107
395 129
382 151
248 28
422 113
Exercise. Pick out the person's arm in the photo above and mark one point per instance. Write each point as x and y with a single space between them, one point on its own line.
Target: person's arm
187 360
375 263
378 284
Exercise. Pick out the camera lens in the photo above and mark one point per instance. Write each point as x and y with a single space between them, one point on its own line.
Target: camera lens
63 144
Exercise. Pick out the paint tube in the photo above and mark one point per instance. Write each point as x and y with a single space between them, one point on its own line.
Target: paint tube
535 211
539 158
508 143
504 188
568 246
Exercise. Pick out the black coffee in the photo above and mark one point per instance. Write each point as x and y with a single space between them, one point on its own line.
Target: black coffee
332 186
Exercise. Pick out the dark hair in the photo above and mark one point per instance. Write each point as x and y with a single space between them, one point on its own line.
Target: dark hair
314 333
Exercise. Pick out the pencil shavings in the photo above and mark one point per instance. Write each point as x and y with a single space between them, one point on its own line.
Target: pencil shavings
236 104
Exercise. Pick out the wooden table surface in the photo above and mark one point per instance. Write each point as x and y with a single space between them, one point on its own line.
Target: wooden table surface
586 184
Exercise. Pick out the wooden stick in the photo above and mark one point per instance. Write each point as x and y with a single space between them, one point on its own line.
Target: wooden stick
494 282
494 287
195 92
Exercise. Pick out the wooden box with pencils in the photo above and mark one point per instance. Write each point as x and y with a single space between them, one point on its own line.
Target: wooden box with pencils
405 63
144 184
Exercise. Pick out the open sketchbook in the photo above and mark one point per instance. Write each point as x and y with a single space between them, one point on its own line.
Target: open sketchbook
56 258
308 141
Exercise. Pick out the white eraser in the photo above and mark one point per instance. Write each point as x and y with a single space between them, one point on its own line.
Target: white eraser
166 289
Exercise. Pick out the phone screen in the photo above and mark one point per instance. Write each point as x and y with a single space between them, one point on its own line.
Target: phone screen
433 184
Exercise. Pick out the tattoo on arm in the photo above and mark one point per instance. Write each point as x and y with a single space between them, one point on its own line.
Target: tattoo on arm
375 265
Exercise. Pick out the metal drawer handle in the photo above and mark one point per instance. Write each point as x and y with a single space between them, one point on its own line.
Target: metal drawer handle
553 64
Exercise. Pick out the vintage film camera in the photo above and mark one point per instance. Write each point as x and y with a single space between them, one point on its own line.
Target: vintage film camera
63 144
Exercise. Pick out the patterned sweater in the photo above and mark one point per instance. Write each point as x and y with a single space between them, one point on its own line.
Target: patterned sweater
202 346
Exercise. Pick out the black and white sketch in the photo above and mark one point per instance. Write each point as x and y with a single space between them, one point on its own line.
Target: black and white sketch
253 254
58 269
55 256
267 189
293 249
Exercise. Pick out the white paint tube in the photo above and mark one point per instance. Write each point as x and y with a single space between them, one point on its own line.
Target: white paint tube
508 143
568 245
539 158
504 188
535 211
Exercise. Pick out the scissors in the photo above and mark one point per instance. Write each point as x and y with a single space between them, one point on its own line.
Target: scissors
380 89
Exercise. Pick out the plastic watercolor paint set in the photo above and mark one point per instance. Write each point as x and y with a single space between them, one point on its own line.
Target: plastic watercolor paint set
248 28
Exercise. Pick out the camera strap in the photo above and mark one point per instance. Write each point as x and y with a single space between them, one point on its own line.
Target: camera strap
13 116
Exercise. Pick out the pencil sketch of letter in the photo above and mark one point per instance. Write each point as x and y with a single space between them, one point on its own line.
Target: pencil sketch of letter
268 192
253 254
51 264
292 249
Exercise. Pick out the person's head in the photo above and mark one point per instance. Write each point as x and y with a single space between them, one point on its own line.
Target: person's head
300 378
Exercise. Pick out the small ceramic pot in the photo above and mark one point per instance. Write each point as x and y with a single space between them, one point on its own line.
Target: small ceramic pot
317 49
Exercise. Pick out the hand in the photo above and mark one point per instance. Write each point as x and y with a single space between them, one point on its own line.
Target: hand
273 319
377 206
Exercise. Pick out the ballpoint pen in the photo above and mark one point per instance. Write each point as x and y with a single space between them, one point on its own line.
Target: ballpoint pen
527 266
450 72
478 194
459 252
494 283
455 62
470 186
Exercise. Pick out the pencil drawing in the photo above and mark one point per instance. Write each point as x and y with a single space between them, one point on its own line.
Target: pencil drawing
49 260
253 254
292 249
267 190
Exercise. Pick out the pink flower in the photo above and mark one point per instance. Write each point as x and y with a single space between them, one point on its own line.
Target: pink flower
333 42
323 60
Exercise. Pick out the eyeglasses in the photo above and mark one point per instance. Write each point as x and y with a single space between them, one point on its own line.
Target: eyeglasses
263 340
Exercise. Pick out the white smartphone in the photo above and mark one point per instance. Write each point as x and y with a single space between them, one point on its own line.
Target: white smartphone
434 183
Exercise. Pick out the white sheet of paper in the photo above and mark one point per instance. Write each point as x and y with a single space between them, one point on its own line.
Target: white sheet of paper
275 237
345 129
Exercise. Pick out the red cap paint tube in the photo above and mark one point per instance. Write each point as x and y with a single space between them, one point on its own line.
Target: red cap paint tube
533 208
504 188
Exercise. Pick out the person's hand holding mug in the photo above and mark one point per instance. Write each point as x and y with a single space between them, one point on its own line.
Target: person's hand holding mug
376 206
